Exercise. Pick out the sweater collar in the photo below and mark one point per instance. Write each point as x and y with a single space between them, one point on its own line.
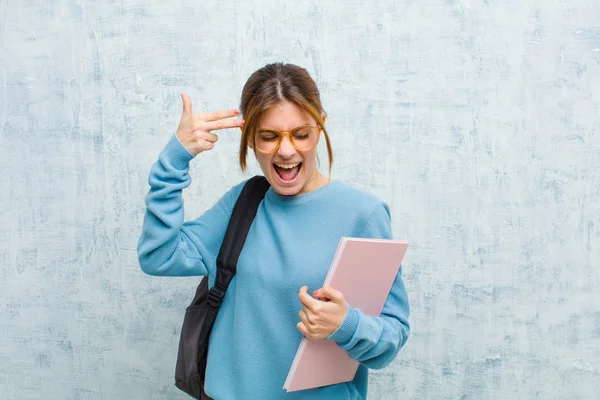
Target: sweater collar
302 198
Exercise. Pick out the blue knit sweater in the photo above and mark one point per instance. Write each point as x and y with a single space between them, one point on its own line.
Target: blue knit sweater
290 244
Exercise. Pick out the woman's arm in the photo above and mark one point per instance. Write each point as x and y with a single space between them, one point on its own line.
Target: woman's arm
168 246
375 341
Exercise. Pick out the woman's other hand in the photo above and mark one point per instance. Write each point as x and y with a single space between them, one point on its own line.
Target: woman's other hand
321 316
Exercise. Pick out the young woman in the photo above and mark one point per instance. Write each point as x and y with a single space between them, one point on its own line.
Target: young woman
268 307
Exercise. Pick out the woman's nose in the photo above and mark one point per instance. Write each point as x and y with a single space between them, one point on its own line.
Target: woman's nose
286 148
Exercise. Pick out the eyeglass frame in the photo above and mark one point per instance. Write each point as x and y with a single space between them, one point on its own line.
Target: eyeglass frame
280 134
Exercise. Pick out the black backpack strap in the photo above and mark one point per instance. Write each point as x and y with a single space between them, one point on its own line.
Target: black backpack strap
240 221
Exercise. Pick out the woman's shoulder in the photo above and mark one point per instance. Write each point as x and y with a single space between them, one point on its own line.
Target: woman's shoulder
358 196
231 195
360 204
370 214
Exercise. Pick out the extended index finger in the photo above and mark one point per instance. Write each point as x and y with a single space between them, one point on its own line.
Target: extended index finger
217 115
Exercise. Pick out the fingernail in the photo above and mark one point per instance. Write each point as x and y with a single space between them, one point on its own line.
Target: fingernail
236 112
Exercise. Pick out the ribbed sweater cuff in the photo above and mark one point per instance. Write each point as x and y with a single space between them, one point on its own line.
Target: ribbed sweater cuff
347 329
176 154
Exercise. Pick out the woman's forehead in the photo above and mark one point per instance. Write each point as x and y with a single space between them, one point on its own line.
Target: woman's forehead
285 116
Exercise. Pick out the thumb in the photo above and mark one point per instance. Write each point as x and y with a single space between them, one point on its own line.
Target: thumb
303 290
187 104
331 294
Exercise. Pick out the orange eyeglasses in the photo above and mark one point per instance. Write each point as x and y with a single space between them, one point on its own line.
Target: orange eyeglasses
303 138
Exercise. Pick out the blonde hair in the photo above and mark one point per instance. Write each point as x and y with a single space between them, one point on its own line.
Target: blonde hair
271 85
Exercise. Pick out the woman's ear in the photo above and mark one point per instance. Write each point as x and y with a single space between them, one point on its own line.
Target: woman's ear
249 143
323 118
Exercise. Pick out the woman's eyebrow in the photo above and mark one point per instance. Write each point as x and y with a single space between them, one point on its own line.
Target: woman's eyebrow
274 129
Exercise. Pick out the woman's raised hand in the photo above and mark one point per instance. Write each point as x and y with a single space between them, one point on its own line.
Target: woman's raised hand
195 131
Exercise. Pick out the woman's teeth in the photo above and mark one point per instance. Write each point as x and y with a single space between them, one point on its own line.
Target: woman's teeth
287 172
287 166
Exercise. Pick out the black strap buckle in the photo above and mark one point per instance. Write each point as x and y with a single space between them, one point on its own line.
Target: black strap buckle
215 296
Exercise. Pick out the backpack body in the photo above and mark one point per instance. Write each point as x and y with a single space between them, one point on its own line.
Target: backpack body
201 313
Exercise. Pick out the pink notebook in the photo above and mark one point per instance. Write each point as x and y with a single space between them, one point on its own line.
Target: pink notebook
364 271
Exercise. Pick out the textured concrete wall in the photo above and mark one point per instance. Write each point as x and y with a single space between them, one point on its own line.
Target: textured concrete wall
478 121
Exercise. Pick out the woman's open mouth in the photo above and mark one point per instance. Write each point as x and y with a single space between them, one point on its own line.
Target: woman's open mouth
288 172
